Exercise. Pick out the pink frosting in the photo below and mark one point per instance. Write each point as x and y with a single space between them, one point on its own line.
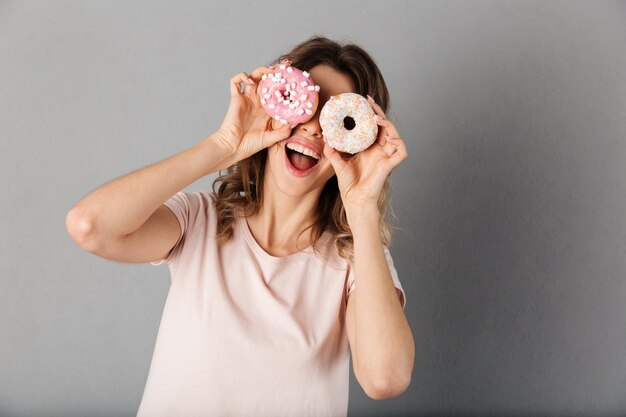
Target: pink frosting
289 95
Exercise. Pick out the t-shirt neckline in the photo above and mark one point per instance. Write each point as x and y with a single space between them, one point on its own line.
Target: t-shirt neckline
297 256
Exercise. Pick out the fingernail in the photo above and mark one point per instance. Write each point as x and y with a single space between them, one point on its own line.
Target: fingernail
250 80
370 98
377 117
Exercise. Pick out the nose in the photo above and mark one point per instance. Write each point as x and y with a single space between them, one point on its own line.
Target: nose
312 126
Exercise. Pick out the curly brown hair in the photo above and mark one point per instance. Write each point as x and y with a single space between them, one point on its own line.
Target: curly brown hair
241 188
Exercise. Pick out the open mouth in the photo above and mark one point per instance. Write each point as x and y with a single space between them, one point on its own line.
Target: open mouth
300 160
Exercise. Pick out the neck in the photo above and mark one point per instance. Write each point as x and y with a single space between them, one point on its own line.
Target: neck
281 218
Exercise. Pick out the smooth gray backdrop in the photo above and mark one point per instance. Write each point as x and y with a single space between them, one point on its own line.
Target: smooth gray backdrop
512 201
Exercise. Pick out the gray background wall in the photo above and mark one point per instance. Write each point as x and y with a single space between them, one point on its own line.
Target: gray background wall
512 201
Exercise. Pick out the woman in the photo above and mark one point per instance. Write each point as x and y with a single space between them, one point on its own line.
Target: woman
262 311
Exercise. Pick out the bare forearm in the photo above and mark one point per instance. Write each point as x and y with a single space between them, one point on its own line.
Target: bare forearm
124 204
385 346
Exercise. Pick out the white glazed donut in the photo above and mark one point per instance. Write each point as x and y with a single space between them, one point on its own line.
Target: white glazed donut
348 123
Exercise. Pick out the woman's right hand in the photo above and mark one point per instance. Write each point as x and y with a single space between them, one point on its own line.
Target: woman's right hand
247 128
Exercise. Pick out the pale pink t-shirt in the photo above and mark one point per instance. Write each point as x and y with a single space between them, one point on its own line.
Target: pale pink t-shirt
245 333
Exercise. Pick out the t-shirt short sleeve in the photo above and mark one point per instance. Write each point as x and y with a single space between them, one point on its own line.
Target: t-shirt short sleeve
183 208
351 284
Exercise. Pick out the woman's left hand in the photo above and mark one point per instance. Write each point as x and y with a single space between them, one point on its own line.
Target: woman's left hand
362 176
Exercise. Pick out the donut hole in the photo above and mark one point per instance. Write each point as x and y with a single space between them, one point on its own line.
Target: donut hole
349 123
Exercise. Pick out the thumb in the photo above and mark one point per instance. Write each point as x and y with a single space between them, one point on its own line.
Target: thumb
276 135
333 157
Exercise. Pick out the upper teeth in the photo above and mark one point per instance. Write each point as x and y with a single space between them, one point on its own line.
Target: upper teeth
299 148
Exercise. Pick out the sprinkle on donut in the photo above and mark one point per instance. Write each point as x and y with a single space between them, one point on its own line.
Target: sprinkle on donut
348 123
289 95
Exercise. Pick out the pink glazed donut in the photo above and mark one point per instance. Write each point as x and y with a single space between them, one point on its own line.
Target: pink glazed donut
348 123
289 95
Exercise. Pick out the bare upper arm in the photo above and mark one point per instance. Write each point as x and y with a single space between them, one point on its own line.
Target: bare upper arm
153 241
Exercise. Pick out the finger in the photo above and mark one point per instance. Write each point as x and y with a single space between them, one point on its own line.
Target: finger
278 125
401 152
278 134
390 149
256 77
381 118
285 62
377 109
257 74
333 157
250 88
389 127
397 142
235 83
